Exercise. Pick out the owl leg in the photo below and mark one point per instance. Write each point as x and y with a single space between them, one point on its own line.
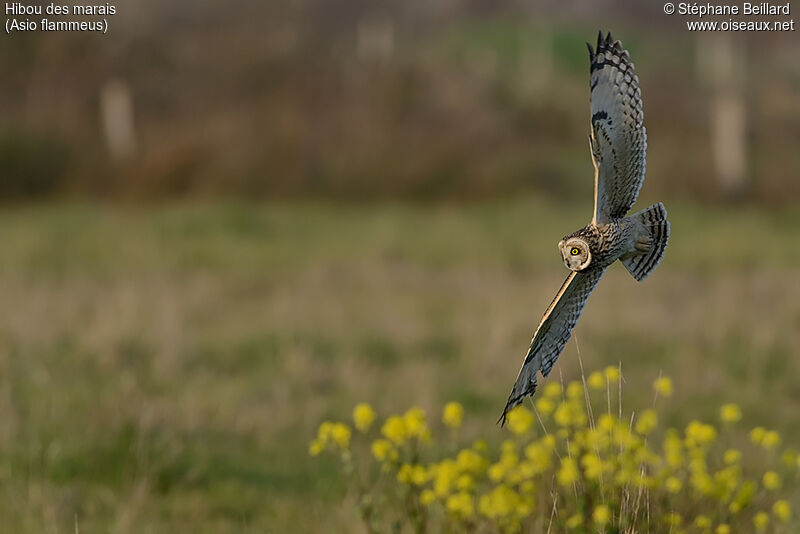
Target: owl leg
643 244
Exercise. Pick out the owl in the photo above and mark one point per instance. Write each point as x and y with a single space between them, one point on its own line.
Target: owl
617 143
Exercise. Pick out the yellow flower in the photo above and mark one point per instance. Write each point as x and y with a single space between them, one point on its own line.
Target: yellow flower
545 406
702 482
596 380
461 505
743 497
593 466
730 413
727 480
625 475
340 434
623 437
552 390
315 448
548 441
722 529
469 461
612 373
568 473
575 391
324 432
496 472
500 503
528 488
663 386
648 420
575 521
732 456
405 473
570 413
414 421
596 439
782 510
563 415
509 458
771 480
789 458
465 483
673 484
520 420
444 475
601 515
702 522
523 508
538 455
419 475
757 435
674 519
395 429
330 433
606 422
699 434
761 520
771 439
363 416
673 449
382 449
427 497
453 414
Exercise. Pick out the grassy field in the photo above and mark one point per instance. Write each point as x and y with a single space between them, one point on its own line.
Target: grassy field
163 370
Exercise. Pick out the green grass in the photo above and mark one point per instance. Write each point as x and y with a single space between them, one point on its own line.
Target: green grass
163 369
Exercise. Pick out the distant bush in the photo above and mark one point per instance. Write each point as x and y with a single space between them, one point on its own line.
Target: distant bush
32 164
569 466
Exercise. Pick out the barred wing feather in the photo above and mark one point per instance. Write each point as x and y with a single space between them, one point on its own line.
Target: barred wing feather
553 332
618 139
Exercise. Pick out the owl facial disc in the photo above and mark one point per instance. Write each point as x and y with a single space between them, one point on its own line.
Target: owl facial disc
576 254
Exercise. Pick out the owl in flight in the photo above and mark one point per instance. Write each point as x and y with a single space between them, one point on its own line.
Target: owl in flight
618 142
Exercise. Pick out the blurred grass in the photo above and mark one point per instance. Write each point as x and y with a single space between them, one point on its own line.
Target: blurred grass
163 369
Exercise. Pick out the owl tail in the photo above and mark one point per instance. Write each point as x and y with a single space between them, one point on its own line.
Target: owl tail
651 245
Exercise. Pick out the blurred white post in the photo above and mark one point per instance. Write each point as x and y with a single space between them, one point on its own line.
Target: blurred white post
116 111
375 38
722 64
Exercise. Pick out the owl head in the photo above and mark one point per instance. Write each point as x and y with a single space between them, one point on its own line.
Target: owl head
576 253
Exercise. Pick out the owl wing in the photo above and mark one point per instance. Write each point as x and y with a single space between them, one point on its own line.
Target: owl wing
618 139
553 333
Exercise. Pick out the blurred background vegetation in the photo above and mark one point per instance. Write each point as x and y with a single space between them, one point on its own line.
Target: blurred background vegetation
223 223
361 100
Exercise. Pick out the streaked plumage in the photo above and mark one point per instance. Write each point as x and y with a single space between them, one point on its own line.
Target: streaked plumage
618 142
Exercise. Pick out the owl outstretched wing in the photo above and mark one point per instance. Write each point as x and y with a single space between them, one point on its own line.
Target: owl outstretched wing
553 333
618 140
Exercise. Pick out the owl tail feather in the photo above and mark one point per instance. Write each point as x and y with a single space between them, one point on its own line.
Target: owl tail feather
652 244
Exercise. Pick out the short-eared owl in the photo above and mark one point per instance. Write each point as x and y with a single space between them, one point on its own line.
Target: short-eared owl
618 142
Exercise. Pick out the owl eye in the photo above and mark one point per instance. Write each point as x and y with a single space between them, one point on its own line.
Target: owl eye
574 251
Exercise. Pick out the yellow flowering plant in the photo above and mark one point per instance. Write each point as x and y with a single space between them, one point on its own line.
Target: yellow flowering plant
564 467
